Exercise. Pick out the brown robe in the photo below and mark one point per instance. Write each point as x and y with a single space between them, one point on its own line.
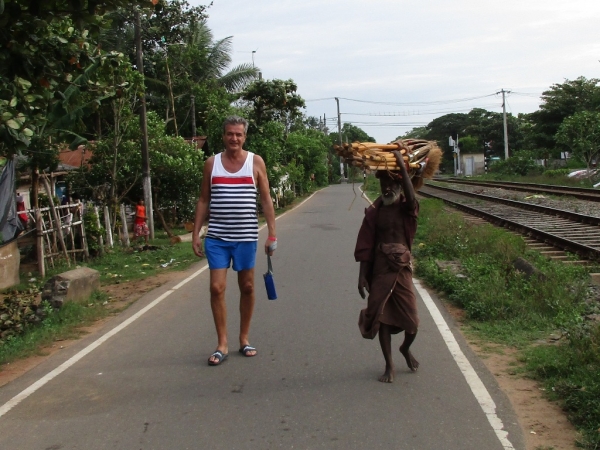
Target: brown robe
391 297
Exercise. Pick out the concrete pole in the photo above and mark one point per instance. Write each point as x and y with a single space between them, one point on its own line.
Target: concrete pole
339 117
505 124
193 112
146 181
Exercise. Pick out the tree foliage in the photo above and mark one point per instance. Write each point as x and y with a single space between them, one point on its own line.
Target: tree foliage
274 100
48 54
581 134
558 103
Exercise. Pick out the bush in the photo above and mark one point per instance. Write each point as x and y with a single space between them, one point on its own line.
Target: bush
553 173
521 163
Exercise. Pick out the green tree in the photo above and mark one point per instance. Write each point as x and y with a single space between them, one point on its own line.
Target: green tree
415 133
176 175
268 142
307 149
581 134
350 133
273 100
44 47
558 103
470 144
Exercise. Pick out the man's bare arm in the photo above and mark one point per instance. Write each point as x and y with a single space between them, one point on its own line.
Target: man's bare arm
265 201
407 187
202 207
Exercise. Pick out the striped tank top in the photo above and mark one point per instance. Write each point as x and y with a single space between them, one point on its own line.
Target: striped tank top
232 209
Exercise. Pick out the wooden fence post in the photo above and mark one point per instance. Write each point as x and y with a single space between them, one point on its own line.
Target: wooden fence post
57 222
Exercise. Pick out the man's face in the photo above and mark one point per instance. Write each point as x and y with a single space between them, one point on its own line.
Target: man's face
234 137
390 190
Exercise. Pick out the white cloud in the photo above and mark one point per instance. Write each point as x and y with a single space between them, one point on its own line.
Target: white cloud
407 51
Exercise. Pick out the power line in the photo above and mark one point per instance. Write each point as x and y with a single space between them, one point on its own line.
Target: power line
437 102
420 113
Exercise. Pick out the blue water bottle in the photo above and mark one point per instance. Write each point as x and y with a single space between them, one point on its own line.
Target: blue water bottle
269 281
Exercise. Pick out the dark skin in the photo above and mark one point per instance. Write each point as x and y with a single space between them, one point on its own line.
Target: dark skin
391 230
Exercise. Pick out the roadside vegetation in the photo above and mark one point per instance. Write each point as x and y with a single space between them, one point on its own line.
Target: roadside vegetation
546 315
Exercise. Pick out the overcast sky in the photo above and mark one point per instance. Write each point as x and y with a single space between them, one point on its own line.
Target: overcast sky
397 64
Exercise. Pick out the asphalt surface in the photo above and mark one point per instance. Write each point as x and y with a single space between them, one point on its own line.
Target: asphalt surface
313 385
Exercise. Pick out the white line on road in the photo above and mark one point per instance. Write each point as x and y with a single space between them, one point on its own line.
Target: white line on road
64 366
477 387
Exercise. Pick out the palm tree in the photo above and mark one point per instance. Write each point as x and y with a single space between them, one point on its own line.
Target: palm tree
217 58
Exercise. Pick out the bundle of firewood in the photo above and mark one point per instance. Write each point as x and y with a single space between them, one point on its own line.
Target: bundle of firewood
421 157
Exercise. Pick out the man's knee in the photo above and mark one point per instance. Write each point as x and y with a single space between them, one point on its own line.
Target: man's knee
247 287
217 289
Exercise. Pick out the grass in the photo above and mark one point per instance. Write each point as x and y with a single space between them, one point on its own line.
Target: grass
58 325
557 180
503 305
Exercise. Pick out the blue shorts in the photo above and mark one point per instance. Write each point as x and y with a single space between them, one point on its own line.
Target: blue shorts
220 253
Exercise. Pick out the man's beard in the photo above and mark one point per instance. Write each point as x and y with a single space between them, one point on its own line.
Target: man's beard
392 198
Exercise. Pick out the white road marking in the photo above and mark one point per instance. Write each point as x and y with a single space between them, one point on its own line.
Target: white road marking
477 387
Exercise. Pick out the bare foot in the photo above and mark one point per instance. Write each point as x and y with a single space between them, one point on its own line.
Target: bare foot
411 362
388 376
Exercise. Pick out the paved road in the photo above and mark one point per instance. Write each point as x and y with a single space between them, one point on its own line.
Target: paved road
146 384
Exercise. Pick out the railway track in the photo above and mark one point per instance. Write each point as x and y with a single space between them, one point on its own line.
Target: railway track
565 230
588 194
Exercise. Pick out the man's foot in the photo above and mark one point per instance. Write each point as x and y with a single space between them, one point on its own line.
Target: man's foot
217 358
248 350
388 375
411 362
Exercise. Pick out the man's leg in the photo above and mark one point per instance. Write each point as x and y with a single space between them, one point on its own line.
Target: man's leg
218 282
246 284
411 362
385 340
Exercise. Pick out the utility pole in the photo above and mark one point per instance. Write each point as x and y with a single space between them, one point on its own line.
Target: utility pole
339 117
504 119
146 181
193 112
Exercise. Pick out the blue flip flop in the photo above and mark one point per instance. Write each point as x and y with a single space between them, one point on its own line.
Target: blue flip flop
219 355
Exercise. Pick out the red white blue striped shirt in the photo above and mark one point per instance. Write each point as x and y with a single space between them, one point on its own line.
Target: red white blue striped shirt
232 208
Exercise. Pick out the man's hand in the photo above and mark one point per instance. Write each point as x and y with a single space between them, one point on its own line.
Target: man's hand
270 246
197 247
363 285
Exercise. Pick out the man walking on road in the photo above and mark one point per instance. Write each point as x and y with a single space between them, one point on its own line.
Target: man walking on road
383 249
228 197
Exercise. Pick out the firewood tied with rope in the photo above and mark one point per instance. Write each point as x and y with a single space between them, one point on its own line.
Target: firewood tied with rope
422 158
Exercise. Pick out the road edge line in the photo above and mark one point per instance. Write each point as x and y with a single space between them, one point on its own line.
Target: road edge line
479 390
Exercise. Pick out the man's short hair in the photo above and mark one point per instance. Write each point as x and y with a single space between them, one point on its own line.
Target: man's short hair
236 120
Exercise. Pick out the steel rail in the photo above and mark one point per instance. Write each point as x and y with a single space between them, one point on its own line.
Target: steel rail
581 249
580 193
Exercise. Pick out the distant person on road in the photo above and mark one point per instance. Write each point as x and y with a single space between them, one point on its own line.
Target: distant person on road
140 225
228 193
383 249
